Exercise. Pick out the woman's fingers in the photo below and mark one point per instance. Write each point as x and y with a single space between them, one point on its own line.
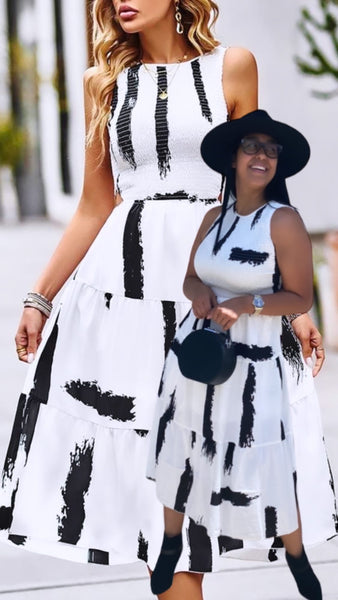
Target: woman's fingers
319 359
28 336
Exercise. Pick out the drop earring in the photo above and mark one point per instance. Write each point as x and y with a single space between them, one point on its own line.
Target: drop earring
178 17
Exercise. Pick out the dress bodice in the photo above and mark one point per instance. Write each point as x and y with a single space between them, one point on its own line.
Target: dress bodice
154 142
244 260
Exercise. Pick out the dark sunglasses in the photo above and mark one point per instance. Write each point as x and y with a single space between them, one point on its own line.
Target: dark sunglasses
252 146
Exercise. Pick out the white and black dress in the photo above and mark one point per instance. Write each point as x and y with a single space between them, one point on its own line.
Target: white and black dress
74 480
225 454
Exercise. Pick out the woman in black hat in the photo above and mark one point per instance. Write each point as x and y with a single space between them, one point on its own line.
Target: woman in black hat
225 454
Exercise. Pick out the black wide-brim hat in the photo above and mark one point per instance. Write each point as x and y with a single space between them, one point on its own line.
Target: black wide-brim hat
219 144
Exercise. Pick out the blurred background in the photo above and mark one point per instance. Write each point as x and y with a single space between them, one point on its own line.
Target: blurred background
45 46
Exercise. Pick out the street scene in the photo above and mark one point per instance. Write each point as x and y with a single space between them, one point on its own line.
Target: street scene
41 172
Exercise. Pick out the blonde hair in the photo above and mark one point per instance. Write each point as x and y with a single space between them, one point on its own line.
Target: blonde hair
115 50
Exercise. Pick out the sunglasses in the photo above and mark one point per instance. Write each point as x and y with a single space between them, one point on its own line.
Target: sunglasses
252 146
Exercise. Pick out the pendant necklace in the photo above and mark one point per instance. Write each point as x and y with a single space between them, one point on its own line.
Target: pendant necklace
163 93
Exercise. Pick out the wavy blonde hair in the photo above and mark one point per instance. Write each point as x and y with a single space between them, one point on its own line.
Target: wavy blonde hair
114 50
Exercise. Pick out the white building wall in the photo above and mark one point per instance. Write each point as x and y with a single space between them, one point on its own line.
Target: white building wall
48 104
75 40
61 206
4 94
268 28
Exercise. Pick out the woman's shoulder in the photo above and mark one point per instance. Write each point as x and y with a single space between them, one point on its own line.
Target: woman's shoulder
237 57
285 219
90 73
209 219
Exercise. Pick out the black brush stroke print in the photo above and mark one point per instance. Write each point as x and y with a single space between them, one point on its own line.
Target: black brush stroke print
200 89
252 257
282 431
218 245
253 352
43 371
270 521
229 458
291 349
142 433
13 446
226 544
123 124
74 491
6 512
114 100
162 125
181 195
143 544
98 557
184 487
257 217
108 298
107 404
169 321
133 265
246 436
193 438
276 278
209 444
200 556
167 416
18 540
235 498
279 368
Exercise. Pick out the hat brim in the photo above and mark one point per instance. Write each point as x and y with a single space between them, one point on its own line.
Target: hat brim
219 144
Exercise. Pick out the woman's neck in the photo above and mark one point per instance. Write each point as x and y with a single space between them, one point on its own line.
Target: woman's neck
248 201
163 45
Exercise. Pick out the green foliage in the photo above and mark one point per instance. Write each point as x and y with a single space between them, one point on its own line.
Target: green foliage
312 28
12 141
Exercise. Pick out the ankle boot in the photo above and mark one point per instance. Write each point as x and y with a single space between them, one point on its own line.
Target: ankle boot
162 576
307 582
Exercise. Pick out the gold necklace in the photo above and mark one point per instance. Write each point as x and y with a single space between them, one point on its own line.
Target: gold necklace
163 94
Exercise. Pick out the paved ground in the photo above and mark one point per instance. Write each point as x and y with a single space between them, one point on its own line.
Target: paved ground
25 576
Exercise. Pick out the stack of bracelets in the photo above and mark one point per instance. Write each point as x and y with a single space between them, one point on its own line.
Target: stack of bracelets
38 301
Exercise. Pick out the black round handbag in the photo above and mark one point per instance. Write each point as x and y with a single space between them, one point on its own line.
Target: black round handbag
207 356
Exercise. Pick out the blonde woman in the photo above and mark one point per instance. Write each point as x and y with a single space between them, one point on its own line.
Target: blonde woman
74 479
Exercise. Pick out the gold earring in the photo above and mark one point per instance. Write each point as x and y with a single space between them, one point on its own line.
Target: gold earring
178 17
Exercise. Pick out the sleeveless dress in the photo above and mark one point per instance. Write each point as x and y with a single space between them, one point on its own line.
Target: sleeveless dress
73 483
224 454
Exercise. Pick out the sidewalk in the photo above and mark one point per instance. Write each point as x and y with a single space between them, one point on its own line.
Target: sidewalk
25 576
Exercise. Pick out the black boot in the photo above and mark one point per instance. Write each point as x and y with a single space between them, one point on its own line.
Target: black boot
163 573
307 582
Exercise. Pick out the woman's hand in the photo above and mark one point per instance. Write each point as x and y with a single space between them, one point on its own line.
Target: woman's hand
203 301
227 313
29 332
310 339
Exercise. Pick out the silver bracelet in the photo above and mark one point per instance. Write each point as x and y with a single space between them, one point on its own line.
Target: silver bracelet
38 301
293 316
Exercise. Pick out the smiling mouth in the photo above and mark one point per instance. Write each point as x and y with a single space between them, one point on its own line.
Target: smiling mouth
258 168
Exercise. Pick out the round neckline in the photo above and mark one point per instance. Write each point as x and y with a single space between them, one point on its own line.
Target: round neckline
248 214
184 62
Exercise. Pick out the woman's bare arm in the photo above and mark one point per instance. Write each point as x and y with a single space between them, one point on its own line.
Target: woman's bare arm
201 296
96 204
240 82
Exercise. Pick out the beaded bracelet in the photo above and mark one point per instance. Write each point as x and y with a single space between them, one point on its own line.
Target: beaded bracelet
38 301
